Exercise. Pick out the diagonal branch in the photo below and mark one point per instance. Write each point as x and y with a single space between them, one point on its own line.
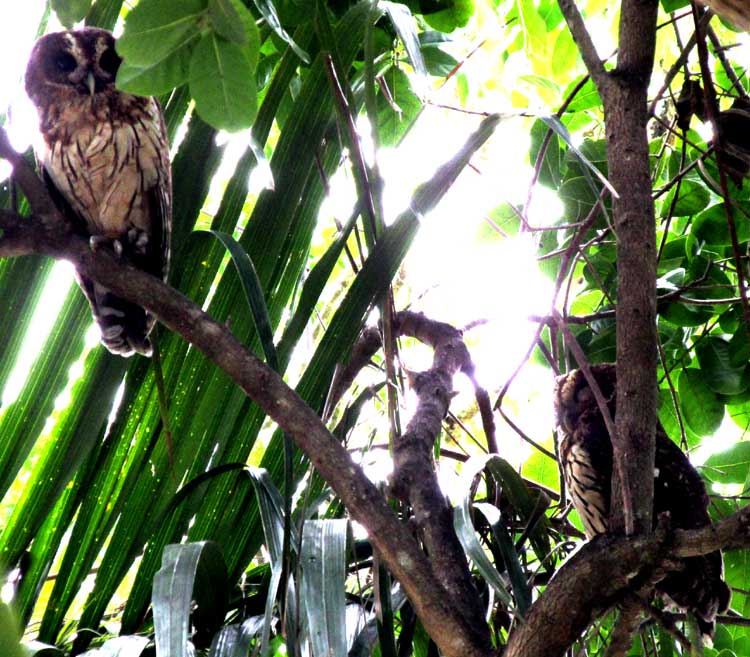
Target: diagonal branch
398 549
585 44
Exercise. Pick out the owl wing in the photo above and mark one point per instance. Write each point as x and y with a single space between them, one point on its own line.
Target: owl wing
679 490
124 325
586 456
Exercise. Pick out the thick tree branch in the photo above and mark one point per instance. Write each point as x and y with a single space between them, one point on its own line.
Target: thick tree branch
624 94
400 552
604 572
414 478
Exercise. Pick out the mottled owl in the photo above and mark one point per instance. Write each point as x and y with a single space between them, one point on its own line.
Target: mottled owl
104 155
735 11
586 455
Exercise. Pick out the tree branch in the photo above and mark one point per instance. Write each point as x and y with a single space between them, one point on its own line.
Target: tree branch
400 552
605 571
585 45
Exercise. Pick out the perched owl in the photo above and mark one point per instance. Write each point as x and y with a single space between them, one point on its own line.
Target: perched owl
586 455
735 11
104 155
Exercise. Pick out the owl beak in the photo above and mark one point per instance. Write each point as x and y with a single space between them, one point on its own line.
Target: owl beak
91 83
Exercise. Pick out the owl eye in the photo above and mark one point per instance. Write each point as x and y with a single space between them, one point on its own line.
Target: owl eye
109 62
65 62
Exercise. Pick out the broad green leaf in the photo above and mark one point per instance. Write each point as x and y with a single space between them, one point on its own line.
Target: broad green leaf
447 20
701 409
236 640
565 54
586 98
222 82
720 371
438 62
226 20
9 644
529 506
157 28
673 5
189 572
730 466
160 77
396 117
693 198
542 469
670 423
70 12
513 567
323 564
711 227
467 536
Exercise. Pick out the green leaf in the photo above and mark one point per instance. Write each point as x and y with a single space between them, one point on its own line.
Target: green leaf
193 572
730 466
254 293
226 21
587 97
693 198
406 28
467 536
158 78
396 120
447 20
700 407
222 82
70 12
236 640
711 227
542 469
323 563
529 506
721 373
268 11
155 29
565 54
673 5
669 421
510 556
9 644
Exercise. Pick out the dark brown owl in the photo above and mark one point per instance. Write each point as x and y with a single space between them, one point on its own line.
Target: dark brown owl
105 157
735 11
586 456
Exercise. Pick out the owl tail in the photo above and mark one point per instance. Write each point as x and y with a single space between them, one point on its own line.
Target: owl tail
124 325
699 588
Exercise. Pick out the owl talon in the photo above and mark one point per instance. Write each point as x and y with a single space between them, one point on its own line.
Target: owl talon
138 239
96 242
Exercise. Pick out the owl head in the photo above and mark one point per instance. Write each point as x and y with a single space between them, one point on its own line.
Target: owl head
573 397
75 61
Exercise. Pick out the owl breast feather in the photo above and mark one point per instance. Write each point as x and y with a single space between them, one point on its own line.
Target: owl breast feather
103 167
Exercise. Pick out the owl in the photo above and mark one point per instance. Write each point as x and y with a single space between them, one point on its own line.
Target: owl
586 456
736 12
104 155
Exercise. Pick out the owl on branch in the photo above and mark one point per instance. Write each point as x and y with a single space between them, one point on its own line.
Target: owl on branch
104 155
